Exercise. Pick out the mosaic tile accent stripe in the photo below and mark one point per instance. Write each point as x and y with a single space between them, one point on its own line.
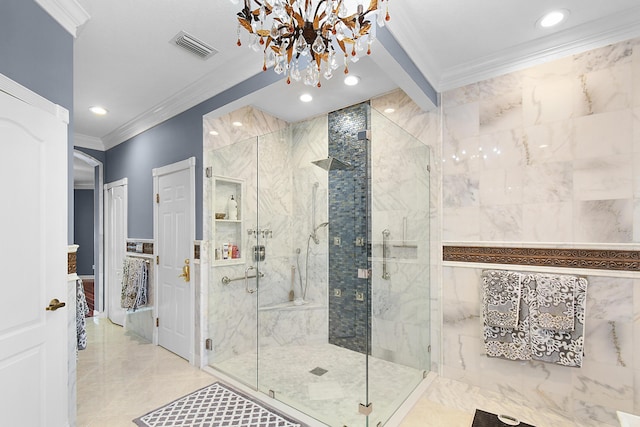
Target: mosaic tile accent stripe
618 260
349 217
216 405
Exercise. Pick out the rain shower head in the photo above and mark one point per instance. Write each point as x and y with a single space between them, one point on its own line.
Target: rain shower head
331 163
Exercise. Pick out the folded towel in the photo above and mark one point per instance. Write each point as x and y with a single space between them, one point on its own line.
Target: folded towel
556 301
560 347
501 297
512 343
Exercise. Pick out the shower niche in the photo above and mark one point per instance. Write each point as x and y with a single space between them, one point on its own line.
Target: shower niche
228 197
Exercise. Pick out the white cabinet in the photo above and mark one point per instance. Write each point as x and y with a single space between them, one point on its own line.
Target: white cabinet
228 219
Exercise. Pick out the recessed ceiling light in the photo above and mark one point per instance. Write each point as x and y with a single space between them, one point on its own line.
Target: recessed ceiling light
305 97
351 80
214 133
389 110
553 18
237 124
98 110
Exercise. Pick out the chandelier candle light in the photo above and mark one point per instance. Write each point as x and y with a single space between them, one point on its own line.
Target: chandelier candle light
294 34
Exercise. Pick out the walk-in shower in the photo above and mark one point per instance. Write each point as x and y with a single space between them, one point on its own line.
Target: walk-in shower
354 345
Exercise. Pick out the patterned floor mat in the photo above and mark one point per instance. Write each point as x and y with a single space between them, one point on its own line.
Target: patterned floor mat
216 405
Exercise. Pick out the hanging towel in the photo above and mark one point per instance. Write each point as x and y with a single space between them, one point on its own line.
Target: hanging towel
512 343
564 348
501 297
555 298
82 309
135 277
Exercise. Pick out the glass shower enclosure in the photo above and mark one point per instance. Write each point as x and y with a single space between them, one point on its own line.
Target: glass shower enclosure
319 272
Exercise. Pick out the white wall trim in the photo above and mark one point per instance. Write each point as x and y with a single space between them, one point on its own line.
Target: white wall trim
175 167
542 269
26 95
611 29
86 141
68 13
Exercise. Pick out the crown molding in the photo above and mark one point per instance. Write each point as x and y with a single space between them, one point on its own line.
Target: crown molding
612 29
86 141
201 90
68 13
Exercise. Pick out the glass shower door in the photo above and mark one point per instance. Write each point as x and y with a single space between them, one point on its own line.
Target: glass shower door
400 262
232 298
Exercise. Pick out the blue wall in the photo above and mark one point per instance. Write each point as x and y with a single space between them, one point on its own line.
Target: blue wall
83 230
171 141
37 52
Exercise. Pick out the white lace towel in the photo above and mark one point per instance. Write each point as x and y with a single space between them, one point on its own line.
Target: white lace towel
501 298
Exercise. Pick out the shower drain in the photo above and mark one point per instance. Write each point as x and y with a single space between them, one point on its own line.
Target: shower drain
318 371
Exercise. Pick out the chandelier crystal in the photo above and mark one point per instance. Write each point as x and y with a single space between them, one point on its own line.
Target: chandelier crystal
300 37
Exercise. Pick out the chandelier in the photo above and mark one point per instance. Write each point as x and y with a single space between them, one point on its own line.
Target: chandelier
300 37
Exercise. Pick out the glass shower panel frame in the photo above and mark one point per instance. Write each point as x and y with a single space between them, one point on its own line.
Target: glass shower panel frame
400 264
232 307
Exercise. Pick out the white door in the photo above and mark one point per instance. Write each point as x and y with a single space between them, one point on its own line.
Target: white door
115 244
175 235
33 261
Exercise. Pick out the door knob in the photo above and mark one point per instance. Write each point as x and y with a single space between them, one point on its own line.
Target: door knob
185 271
55 304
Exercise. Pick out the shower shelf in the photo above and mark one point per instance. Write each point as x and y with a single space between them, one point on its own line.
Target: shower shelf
290 306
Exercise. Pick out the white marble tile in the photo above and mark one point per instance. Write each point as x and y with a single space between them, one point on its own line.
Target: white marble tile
504 149
460 122
607 89
461 224
604 57
547 222
610 299
548 101
552 142
603 178
501 187
604 386
461 284
609 342
548 183
502 112
606 221
462 191
604 135
501 223
462 156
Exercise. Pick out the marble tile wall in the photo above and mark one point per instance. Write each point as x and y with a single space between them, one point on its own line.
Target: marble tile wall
548 154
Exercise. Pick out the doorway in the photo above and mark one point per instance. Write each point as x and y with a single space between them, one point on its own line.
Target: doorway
116 207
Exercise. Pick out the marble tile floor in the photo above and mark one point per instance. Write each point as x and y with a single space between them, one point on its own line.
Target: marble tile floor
122 376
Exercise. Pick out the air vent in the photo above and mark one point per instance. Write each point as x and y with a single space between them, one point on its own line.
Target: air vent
193 45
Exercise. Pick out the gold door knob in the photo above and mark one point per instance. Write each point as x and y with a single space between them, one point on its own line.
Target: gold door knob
185 271
55 304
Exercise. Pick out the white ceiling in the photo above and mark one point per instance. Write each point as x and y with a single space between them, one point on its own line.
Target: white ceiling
124 60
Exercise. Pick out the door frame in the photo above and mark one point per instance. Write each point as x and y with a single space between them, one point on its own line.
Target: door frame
98 228
107 225
189 164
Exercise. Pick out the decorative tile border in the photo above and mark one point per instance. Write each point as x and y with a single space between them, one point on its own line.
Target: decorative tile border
72 262
140 247
597 259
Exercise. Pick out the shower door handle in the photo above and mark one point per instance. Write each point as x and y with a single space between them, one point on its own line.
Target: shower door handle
246 280
385 237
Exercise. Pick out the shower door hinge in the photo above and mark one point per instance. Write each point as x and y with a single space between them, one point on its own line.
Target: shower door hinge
429 349
428 168
157 322
157 197
208 344
365 409
209 172
157 259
